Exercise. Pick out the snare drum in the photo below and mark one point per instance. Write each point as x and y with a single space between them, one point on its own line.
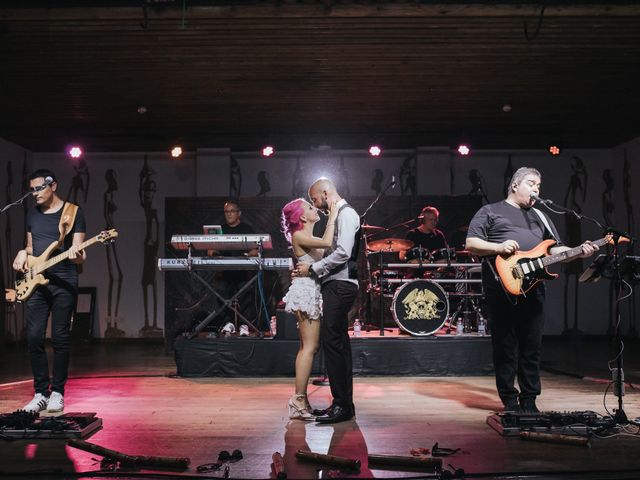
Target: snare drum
420 307
444 255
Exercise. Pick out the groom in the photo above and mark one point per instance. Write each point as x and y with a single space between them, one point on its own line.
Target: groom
339 277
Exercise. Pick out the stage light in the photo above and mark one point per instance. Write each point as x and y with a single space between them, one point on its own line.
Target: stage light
463 150
75 152
375 150
267 151
176 151
554 150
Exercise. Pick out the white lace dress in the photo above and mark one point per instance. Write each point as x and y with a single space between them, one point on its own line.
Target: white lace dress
304 293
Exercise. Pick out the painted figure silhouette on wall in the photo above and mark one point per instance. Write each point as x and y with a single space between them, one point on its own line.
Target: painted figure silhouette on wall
577 185
631 229
626 189
79 188
608 205
113 263
263 183
343 178
575 195
235 179
376 181
408 175
477 184
507 176
297 180
7 232
146 193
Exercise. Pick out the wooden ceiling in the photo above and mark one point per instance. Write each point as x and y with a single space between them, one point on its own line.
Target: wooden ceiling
302 73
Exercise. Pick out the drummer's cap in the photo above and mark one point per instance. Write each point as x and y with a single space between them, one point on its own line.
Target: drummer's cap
429 209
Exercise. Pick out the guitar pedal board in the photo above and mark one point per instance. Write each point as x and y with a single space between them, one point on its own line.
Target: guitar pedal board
564 423
23 425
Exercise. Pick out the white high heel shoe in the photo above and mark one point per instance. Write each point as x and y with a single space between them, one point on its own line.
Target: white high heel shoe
303 413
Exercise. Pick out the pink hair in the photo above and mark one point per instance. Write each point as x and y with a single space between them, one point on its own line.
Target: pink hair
290 217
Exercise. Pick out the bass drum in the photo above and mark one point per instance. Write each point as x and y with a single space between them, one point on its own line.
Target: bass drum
420 307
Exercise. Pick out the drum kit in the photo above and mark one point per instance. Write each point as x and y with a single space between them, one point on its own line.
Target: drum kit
430 291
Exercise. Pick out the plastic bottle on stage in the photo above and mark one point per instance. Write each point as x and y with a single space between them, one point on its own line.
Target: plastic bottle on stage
482 328
357 328
273 326
459 326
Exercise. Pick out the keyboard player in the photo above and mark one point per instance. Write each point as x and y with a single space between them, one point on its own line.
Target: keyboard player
229 281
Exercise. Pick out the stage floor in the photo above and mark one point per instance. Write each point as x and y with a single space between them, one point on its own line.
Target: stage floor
145 412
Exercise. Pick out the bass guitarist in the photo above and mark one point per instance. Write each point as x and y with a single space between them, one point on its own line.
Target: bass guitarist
516 322
51 220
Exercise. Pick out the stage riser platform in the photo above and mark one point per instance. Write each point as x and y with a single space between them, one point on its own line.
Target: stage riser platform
400 356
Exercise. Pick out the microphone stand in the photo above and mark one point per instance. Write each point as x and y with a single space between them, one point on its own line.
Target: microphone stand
3 300
620 417
392 184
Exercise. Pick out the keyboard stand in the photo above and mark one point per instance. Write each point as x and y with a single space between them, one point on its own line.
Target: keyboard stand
232 303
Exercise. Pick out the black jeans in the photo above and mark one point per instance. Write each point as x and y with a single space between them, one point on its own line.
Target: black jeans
516 335
61 303
337 299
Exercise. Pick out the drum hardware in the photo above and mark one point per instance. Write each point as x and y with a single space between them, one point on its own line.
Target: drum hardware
444 255
372 227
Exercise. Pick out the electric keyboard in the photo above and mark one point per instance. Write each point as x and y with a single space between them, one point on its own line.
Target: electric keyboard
221 242
229 263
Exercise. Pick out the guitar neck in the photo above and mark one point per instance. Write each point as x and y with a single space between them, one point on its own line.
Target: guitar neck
571 253
63 256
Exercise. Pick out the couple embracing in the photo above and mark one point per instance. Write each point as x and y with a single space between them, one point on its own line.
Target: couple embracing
323 289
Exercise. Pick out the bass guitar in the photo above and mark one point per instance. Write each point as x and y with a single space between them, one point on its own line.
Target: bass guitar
521 271
33 277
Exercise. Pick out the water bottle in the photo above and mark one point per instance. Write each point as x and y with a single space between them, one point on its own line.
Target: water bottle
273 326
459 326
357 328
482 328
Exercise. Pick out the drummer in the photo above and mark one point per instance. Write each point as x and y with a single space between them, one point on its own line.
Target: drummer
426 237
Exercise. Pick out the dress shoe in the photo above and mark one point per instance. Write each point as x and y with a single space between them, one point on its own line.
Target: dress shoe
336 415
318 412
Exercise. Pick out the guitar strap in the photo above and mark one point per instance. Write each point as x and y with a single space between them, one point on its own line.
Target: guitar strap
545 222
67 219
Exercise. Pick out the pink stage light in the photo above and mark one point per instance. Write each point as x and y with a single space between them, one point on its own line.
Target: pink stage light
463 150
268 151
375 150
554 150
176 151
75 152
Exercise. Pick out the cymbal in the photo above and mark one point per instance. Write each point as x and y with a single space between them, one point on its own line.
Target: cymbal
390 245
372 227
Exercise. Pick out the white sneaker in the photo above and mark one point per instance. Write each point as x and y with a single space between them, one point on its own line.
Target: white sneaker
38 404
56 403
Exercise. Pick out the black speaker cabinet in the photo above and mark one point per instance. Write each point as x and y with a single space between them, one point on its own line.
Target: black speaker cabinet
286 326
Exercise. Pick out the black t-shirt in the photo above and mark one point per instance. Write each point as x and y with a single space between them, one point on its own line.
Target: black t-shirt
240 229
501 221
44 231
431 241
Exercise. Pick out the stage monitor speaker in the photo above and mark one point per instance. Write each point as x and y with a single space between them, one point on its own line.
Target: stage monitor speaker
286 326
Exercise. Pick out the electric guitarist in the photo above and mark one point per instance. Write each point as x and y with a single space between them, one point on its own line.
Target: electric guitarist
516 322
51 220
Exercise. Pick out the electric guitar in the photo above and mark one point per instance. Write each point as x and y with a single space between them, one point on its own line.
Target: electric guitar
521 271
33 277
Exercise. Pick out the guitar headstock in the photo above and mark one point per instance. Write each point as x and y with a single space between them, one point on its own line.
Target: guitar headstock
107 235
621 239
